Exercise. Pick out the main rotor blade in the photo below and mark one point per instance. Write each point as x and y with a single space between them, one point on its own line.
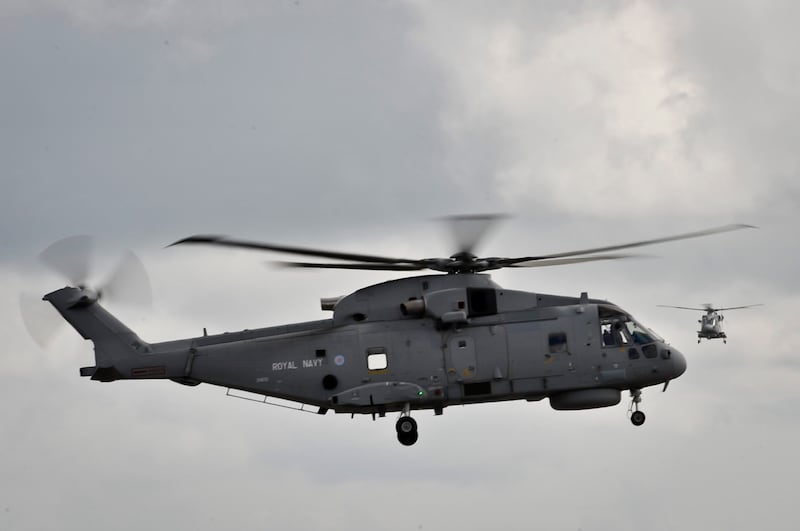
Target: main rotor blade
365 266
727 228
70 258
564 261
737 307
468 231
244 244
681 307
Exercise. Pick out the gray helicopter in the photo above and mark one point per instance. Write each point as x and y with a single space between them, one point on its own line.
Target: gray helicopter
417 343
711 321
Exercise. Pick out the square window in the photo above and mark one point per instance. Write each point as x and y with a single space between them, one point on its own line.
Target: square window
377 362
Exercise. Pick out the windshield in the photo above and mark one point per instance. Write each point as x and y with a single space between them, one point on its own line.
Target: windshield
618 328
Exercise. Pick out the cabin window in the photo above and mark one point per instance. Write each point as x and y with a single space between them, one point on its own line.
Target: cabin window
377 359
557 342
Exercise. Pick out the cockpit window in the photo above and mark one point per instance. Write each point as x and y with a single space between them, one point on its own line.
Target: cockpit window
614 334
639 333
619 329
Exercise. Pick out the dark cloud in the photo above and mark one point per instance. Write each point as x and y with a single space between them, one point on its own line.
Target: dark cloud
349 126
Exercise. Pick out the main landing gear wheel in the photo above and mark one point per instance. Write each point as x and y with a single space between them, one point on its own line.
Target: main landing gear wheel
637 417
406 431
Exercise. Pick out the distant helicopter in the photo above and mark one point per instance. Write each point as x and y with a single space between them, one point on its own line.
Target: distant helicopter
422 342
711 321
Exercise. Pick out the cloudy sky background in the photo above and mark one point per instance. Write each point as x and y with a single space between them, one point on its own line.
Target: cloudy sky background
352 126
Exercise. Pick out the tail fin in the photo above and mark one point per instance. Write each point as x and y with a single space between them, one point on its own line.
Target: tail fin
113 340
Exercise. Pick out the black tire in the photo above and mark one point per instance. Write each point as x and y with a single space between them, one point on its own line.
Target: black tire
407 439
637 418
406 425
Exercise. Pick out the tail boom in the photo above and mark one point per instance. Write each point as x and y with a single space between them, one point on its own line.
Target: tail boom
119 352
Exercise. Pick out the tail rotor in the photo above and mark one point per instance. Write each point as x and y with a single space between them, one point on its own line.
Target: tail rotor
72 259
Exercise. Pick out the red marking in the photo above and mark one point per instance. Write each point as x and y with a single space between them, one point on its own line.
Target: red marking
149 372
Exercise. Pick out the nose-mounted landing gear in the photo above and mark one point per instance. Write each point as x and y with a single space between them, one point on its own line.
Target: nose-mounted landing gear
637 417
406 427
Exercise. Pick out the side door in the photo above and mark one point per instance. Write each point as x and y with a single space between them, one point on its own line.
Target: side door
543 354
401 352
476 360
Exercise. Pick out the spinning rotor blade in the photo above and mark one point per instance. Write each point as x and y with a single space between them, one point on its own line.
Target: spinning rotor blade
737 307
468 231
727 228
129 282
577 260
319 253
41 320
70 258
368 267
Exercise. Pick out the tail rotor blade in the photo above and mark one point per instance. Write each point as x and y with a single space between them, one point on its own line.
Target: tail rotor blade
69 258
129 282
41 320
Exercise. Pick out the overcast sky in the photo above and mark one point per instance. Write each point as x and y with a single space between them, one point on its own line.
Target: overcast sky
354 126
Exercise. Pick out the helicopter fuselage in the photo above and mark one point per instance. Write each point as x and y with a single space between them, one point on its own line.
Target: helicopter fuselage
711 326
424 342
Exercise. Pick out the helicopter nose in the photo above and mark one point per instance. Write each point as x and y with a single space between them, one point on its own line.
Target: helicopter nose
678 363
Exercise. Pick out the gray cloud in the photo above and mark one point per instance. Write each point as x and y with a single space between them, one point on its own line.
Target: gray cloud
350 126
